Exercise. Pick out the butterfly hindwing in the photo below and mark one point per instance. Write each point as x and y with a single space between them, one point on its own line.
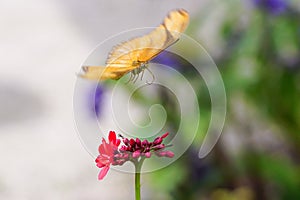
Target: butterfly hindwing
103 73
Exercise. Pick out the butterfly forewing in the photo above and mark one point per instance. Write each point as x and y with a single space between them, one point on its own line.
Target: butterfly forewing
146 47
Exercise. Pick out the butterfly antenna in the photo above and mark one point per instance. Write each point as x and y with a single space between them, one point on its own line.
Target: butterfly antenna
153 77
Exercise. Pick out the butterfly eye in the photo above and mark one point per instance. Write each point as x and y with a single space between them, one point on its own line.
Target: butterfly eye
85 68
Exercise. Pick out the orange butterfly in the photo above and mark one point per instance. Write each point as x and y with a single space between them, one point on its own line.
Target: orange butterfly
134 55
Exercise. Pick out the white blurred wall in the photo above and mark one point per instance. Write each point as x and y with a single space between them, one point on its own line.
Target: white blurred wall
43 44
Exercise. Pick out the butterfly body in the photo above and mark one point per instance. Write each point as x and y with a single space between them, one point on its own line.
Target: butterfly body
134 55
141 67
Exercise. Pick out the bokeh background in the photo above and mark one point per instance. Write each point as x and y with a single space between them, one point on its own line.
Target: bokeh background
256 46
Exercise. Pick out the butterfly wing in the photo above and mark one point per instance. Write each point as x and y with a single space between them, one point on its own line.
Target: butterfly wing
104 73
126 56
147 47
167 33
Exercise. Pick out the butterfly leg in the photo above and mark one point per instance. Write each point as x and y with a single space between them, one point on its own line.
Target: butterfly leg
142 75
136 77
153 77
130 78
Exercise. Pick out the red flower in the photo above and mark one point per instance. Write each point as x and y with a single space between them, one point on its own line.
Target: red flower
106 153
133 150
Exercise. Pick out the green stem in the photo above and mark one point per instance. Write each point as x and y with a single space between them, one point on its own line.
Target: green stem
137 186
138 166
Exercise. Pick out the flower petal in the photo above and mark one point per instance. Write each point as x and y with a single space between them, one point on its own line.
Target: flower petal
103 172
118 141
112 136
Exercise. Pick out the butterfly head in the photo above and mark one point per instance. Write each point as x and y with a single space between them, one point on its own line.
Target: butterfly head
141 68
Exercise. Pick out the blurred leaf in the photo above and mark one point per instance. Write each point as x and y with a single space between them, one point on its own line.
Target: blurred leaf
275 170
168 178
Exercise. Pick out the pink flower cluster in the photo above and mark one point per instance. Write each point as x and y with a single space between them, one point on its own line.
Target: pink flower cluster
140 148
132 150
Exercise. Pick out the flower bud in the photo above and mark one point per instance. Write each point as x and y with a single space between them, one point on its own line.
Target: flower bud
148 154
136 154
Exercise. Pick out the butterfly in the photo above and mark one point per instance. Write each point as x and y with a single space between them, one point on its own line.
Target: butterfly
133 55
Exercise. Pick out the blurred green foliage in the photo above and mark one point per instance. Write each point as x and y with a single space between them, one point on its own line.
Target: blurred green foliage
260 66
259 59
